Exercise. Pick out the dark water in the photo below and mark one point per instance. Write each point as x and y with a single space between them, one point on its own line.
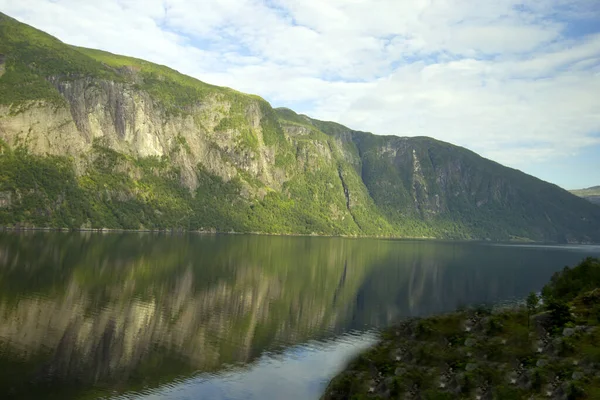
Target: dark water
228 317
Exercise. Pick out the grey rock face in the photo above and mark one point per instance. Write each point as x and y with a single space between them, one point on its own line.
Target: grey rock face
568 332
541 362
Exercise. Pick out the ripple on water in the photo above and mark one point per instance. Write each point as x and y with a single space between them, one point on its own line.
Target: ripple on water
298 372
104 314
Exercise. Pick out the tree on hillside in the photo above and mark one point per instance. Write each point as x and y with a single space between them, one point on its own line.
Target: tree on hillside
532 303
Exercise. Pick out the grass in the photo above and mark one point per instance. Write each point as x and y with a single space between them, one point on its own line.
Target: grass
333 180
592 191
485 353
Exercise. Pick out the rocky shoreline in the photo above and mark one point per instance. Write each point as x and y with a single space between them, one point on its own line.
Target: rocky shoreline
549 350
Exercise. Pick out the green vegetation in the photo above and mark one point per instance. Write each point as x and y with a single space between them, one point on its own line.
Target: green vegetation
258 169
490 354
570 282
591 191
31 57
591 194
532 303
36 63
45 192
460 194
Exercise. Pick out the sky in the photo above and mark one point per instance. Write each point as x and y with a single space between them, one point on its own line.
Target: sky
516 81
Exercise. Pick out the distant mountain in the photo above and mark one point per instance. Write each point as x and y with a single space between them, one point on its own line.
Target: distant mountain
592 194
90 139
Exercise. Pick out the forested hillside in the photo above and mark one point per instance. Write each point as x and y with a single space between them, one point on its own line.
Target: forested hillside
90 139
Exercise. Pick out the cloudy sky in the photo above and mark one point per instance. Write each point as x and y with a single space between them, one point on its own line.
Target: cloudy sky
516 81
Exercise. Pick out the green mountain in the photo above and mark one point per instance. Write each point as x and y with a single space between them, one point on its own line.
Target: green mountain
91 139
592 194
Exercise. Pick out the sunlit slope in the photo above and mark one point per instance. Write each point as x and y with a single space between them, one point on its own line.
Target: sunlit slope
591 194
91 139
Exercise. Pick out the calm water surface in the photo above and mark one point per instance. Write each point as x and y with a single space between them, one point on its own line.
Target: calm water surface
228 317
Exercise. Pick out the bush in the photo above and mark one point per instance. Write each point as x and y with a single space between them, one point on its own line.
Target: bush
568 283
560 313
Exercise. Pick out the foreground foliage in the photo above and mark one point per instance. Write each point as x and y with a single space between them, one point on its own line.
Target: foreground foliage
490 354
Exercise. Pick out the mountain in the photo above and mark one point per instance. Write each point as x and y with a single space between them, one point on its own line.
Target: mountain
90 139
592 194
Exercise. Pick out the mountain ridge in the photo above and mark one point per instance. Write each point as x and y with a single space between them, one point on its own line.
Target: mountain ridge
90 139
591 194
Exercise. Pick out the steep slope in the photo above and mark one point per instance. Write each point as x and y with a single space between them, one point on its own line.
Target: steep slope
592 194
419 181
90 139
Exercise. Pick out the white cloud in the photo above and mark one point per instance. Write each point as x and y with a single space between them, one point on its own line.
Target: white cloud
505 77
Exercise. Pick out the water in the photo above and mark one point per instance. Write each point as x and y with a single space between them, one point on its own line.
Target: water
228 317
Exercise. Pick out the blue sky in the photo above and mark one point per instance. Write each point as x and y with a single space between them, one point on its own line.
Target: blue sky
516 81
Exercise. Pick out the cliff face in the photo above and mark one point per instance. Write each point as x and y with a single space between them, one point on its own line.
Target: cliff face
92 139
128 121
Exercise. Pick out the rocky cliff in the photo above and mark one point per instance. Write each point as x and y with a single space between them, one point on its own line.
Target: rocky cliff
95 140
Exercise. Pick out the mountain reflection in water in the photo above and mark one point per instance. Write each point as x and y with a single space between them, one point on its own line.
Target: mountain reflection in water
88 315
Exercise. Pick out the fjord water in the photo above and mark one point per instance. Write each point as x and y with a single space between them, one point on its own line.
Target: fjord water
228 317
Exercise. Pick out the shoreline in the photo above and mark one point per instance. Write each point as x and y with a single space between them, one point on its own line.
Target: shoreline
204 232
215 232
532 350
460 355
